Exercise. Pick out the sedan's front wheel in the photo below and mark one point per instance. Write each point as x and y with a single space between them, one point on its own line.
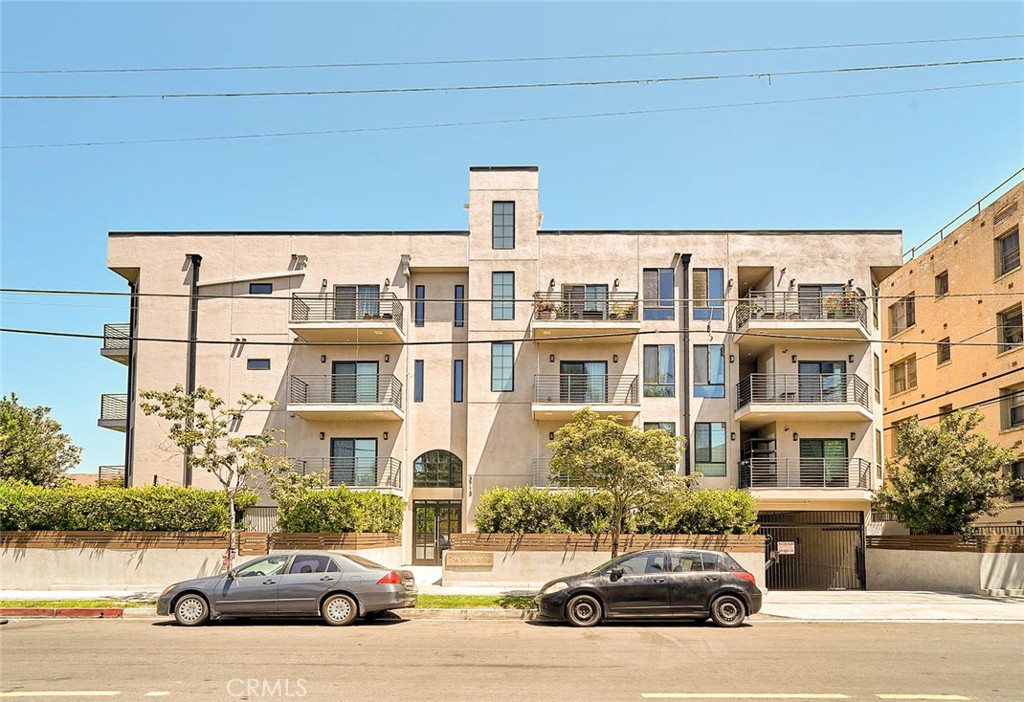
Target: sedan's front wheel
191 610
339 610
583 610
728 611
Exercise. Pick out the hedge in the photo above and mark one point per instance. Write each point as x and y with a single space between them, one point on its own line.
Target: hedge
25 507
340 510
530 510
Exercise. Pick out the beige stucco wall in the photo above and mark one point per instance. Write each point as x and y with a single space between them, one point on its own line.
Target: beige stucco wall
948 571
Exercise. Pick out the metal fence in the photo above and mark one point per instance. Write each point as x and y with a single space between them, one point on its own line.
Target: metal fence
542 476
345 389
115 337
311 307
805 473
586 389
797 305
802 388
579 305
354 471
114 407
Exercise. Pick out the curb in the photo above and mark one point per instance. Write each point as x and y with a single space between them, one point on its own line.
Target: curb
477 614
62 612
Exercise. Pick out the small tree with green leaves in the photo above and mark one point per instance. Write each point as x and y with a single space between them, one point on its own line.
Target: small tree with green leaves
629 464
32 446
942 479
201 425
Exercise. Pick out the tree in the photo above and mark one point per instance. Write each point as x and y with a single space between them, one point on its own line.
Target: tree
32 446
942 479
627 463
201 425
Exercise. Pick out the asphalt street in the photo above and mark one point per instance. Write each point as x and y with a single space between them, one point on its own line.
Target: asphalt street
508 660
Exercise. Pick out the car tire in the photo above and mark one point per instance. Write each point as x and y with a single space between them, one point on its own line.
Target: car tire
191 610
339 610
728 611
583 610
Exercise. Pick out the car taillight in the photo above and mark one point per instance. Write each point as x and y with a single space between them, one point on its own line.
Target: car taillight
746 576
390 579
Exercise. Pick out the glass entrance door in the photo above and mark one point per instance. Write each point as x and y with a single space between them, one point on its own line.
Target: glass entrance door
354 462
584 382
434 521
354 381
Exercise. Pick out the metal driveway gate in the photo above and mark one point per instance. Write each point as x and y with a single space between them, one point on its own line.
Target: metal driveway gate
817 550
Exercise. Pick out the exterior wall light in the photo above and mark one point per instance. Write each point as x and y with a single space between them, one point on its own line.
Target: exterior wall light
853 436
551 358
323 358
615 358
385 436
387 357
796 437
321 436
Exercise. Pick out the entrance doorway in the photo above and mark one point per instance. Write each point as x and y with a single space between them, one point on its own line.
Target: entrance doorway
827 550
434 521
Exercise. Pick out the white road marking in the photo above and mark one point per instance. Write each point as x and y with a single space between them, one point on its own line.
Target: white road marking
922 697
743 696
59 693
157 693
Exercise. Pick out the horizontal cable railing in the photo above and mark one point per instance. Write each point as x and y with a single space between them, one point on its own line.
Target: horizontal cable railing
311 307
586 389
113 407
110 476
802 388
542 476
805 473
614 306
345 389
354 471
115 337
797 305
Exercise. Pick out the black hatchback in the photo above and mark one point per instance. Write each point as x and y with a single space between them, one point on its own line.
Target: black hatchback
655 584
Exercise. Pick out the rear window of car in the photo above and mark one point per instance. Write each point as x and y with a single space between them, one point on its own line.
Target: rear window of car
364 562
728 563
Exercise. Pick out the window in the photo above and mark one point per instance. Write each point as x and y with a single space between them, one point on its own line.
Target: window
417 381
307 563
943 351
660 371
903 375
419 309
1008 252
642 563
709 370
878 379
1012 400
271 565
460 306
901 315
669 427
897 428
686 561
437 468
458 379
1017 473
942 284
501 367
261 288
356 301
503 225
708 293
709 448
878 454
659 293
945 410
503 293
258 364
1010 328
876 293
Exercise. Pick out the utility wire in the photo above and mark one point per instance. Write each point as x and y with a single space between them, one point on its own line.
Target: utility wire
767 75
954 390
521 59
980 403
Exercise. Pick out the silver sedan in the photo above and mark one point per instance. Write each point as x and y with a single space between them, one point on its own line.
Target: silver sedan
335 586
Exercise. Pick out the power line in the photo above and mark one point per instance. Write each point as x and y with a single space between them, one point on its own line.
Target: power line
981 403
521 59
955 390
769 75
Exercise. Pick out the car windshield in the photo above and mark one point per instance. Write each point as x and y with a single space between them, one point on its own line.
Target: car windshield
606 564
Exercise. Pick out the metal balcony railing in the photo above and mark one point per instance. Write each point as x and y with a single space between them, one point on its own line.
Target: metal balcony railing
802 388
805 473
311 307
615 306
115 337
542 476
358 471
796 305
113 407
586 389
345 389
110 476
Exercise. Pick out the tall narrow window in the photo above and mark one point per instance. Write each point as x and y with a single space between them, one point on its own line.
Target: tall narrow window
1017 473
1012 400
943 351
709 370
1010 328
709 448
708 293
460 305
501 366
503 293
879 461
903 375
458 379
417 384
942 284
660 371
878 379
1008 252
902 314
420 307
503 225
876 293
659 293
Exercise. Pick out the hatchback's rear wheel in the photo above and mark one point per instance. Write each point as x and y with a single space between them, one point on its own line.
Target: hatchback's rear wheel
191 610
339 610
728 611
583 610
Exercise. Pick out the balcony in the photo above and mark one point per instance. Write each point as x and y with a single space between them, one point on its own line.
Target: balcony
542 475
114 412
764 397
557 397
807 478
346 397
369 318
115 342
371 472
795 313
607 317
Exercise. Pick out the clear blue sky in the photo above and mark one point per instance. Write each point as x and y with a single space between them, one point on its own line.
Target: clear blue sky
910 161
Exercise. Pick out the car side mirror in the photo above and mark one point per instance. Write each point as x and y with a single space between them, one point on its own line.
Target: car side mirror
616 573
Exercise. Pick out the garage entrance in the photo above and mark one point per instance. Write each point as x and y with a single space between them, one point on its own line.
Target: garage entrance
818 550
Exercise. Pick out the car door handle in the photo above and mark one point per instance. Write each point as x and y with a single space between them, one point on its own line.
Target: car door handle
659 580
326 578
711 578
269 582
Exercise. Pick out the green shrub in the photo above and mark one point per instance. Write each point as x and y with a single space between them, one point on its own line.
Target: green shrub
728 511
340 510
25 507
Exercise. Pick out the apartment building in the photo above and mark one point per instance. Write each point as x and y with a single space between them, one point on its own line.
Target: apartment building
438 364
968 286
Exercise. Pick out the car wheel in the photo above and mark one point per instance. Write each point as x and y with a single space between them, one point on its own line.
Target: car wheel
191 610
339 610
728 611
583 610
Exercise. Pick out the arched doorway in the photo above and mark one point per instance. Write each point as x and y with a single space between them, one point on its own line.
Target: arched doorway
435 520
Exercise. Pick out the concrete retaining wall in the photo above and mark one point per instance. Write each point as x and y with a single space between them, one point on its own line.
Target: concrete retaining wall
947 571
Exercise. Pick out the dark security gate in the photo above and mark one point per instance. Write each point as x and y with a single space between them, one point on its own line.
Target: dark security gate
828 550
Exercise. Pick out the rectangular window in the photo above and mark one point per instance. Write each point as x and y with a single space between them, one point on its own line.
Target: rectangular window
942 284
878 379
943 351
1017 473
503 293
709 370
503 225
901 315
460 306
261 288
458 379
896 426
501 366
708 293
1010 328
659 293
945 410
417 381
709 448
878 454
903 375
419 309
1008 252
669 427
660 371
258 364
1012 401
875 294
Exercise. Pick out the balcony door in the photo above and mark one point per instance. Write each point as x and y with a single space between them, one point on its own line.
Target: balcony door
584 382
822 381
356 301
812 299
354 381
354 462
585 301
824 463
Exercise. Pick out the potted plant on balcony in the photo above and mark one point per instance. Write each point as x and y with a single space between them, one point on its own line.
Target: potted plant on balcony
833 305
545 309
624 310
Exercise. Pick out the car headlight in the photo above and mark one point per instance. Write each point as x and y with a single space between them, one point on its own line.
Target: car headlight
554 587
168 589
